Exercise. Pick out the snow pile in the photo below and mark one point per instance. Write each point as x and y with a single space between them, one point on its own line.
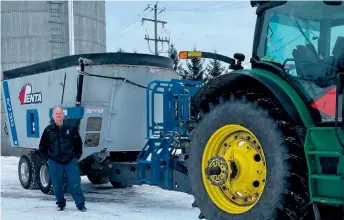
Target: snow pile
103 202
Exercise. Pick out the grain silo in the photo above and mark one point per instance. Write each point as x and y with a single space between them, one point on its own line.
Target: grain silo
36 31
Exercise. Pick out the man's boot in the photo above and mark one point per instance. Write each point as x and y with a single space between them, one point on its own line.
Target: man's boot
82 209
60 208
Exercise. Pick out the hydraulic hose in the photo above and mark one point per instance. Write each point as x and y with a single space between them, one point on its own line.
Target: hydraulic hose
113 77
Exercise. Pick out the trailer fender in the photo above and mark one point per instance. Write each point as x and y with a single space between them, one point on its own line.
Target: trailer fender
255 80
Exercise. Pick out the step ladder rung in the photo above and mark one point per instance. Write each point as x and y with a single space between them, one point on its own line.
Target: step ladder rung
330 201
55 2
55 10
326 153
55 22
57 41
327 176
144 162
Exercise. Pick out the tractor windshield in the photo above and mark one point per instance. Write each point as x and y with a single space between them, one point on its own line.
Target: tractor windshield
307 39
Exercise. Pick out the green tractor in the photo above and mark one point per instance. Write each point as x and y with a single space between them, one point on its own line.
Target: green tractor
268 141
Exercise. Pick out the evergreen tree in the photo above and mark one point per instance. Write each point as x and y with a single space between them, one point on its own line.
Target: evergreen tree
173 54
195 69
227 69
214 69
120 50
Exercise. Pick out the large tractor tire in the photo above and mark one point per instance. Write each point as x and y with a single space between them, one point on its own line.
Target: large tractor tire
245 164
28 171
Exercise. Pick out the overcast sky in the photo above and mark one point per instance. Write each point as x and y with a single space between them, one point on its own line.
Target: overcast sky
226 26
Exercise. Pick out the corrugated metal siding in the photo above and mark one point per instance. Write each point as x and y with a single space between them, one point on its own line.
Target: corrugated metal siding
90 26
28 35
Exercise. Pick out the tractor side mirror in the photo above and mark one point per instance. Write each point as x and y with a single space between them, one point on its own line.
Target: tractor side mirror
239 59
239 56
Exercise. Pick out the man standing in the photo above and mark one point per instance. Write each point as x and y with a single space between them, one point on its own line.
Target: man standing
62 145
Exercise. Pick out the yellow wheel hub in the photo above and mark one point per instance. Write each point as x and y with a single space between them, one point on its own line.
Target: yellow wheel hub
234 169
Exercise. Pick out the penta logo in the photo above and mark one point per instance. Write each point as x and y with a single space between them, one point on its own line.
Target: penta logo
26 96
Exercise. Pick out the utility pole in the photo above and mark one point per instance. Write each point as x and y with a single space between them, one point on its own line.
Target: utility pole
156 39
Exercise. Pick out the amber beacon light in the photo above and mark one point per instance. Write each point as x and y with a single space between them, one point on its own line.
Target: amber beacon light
189 54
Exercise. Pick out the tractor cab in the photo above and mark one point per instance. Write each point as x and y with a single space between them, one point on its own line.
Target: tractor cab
303 41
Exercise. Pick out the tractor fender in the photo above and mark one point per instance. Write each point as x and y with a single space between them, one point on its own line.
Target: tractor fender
255 80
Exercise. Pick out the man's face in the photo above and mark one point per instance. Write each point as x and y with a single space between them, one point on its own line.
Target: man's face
58 115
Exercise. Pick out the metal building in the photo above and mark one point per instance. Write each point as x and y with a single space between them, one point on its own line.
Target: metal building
37 31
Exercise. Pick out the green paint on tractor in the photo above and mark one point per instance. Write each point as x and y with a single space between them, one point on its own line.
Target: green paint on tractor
294 96
291 103
322 146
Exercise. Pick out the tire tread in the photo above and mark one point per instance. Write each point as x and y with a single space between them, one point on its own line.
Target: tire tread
294 201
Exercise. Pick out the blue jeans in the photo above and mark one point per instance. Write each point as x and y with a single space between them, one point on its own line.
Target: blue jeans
71 169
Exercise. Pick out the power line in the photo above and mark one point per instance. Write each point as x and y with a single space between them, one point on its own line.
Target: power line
207 8
156 39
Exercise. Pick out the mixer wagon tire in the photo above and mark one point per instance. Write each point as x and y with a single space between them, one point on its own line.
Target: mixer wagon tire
119 185
97 178
28 172
45 184
242 167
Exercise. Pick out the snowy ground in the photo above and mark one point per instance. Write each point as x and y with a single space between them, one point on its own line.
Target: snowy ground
102 202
